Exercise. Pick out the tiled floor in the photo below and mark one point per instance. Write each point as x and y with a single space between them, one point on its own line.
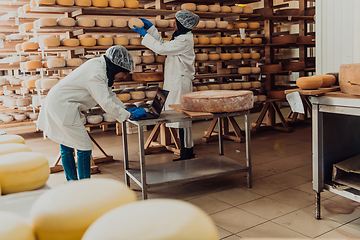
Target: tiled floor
279 205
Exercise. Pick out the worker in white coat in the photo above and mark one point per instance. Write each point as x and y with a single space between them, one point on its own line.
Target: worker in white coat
90 84
179 66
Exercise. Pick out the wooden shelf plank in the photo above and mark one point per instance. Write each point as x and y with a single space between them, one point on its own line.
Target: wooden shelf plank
110 11
214 75
133 82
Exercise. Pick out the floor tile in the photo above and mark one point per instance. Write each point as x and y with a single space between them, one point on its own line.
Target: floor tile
287 179
223 233
235 196
343 232
294 198
210 205
308 187
232 237
266 188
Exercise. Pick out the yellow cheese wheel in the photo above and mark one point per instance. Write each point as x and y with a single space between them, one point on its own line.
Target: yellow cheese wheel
88 42
131 4
174 219
28 26
99 3
226 86
255 84
14 227
7 148
246 55
65 2
248 10
45 2
30 83
137 95
214 57
103 22
210 24
105 41
255 70
253 25
72 42
201 56
29 46
148 59
56 62
255 55
118 22
225 56
116 3
246 85
86 22
222 24
236 85
124 41
225 9
135 21
48 83
204 40
236 56
18 47
47 22
83 3
215 40
188 6
328 80
309 83
214 8
51 42
237 40
124 97
241 25
237 9
214 86
135 41
23 171
33 65
196 40
202 88
202 8
66 21
26 8
66 211
256 40
226 40
74 62
247 40
244 70
11 138
262 98
201 24
162 23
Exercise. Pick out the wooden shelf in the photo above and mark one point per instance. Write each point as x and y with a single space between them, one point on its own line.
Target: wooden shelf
232 61
56 69
133 82
290 45
17 124
285 18
8 66
229 45
214 75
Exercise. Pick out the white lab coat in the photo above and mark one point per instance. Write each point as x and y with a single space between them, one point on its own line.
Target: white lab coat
60 115
179 66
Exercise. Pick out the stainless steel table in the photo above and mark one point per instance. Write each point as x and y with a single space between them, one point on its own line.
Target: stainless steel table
187 170
335 136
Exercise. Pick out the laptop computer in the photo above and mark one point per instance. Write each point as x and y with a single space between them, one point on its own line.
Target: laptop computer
158 104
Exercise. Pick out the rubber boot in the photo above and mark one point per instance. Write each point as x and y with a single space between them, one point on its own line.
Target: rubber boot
185 153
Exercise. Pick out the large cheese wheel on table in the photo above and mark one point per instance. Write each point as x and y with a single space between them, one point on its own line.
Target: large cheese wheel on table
83 3
14 227
174 219
217 101
349 78
309 83
328 80
23 171
66 22
7 148
10 138
65 212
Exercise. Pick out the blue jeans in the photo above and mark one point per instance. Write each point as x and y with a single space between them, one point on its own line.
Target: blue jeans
68 162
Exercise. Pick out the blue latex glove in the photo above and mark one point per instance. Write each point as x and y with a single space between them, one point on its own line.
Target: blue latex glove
147 23
137 112
141 31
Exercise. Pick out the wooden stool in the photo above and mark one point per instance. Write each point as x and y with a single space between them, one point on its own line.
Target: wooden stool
236 135
166 134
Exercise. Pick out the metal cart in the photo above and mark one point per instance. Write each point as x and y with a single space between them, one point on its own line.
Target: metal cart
147 176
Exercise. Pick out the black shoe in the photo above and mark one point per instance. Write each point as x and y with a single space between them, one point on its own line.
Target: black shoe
187 153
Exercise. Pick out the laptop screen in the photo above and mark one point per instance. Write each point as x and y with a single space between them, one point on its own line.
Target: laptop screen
159 101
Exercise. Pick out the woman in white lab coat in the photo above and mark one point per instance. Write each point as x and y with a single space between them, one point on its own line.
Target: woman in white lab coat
179 66
90 84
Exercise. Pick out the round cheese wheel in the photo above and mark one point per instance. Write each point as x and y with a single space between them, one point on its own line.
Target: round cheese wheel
148 59
88 42
86 22
23 102
256 40
201 56
225 9
137 95
2 36
236 56
29 46
202 8
201 24
14 227
118 22
226 86
94 119
236 85
55 214
244 70
214 8
135 21
137 59
226 40
328 80
66 22
32 3
11 138
65 2
26 8
255 70
253 25
105 41
215 40
225 56
237 9
188 222
108 118
46 22
28 26
255 84
241 25
256 99
255 55
217 101
45 2
83 3
210 24
214 86
20 11
202 88
237 40
74 62
103 22
224 71
309 83
222 24
124 97
248 10
261 98
56 62
124 41
23 171
246 55
162 23
160 58
116 3
246 85
188 6
50 42
135 41
213 57
48 83
204 40
72 42
99 3
131 4
30 83
33 65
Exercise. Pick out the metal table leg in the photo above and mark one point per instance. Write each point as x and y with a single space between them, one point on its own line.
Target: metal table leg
221 147
142 162
317 206
248 149
126 155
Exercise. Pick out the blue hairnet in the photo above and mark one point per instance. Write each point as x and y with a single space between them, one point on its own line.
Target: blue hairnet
120 56
187 18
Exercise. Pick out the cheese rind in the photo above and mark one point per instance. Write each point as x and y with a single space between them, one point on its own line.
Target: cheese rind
88 41
56 62
131 4
86 22
116 3
50 42
124 41
14 227
74 62
7 148
47 22
105 41
66 22
65 2
83 3
135 21
72 42
99 3
10 138
118 22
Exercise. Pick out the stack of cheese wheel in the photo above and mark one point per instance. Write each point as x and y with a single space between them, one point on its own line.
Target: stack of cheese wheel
188 6
83 3
15 227
131 3
66 22
116 3
118 22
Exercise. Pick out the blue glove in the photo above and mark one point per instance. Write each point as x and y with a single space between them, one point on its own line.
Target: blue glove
137 112
141 31
147 23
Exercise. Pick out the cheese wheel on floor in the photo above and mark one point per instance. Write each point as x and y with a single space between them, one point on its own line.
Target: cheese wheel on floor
116 3
74 62
174 219
7 148
14 227
83 3
66 22
72 42
11 138
131 4
86 22
119 22
66 211
23 171
65 2
50 42
217 101
56 62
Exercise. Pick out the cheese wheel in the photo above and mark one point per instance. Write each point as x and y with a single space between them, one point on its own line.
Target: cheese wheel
108 118
88 42
255 70
160 58
103 22
224 71
55 214
246 55
131 4
46 22
66 22
28 26
72 42
201 24
210 24
244 70
32 3
237 40
237 9
236 56
56 62
23 102
86 22
29 46
256 40
50 42
226 40
23 171
48 83
188 222
214 8
99 3
213 57
246 85
328 80
241 25
196 40
74 62
215 40
124 97
33 65
124 41
188 6
83 3
202 8
18 47
222 24
202 88
26 8
261 98
135 41
256 98
225 56
225 9
118 22
255 84
65 2
2 36
45 2
309 83
253 25
135 21
116 3
30 83
255 55
137 95
105 41
14 227
248 10
162 23
201 56
148 59
204 40
217 101
214 86
236 85
226 86
11 138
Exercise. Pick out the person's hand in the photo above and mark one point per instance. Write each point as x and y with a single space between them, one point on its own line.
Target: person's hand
137 113
147 23
141 31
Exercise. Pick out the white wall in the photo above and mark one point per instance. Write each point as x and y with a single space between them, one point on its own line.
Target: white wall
337 34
